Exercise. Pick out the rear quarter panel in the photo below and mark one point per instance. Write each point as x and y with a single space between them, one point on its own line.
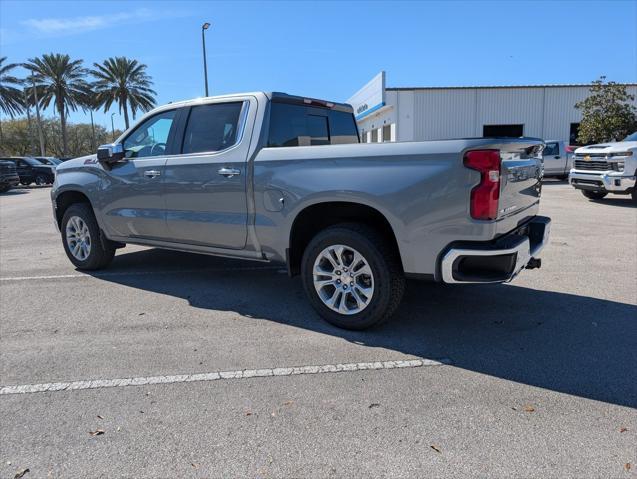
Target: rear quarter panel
422 189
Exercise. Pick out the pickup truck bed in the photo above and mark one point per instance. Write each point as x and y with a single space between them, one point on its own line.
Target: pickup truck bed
285 180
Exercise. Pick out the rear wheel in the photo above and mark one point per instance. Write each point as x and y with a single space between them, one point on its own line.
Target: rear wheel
352 276
40 180
594 195
83 241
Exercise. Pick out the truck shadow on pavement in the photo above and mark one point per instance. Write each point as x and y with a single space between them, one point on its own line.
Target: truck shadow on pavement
567 343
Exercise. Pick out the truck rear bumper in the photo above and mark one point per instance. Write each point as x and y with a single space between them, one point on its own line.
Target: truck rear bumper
614 183
498 261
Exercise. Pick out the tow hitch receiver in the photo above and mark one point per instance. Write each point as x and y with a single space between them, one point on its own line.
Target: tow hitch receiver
534 263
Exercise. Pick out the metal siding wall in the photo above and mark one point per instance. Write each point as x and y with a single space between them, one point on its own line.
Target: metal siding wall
560 111
440 114
449 113
509 107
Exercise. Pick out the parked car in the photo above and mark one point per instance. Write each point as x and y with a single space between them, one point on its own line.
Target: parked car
282 179
31 170
557 158
606 168
49 160
8 175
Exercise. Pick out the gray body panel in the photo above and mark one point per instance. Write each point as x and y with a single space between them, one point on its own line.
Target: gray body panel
421 188
559 161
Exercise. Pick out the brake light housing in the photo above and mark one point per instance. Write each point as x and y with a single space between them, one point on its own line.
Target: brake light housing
485 197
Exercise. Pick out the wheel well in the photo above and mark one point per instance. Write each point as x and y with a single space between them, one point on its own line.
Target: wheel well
66 199
320 216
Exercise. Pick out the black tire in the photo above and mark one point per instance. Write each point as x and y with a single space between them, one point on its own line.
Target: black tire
633 195
384 261
25 183
594 195
101 249
40 180
5 188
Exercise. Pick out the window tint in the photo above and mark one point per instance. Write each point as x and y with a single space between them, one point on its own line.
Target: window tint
342 127
318 130
212 127
297 125
150 138
551 149
32 162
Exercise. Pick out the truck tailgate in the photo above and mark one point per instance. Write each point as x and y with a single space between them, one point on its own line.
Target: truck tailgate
520 179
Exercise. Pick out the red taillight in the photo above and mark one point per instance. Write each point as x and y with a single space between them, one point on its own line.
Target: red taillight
485 197
569 149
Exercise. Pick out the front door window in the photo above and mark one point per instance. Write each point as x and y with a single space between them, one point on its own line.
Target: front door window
151 137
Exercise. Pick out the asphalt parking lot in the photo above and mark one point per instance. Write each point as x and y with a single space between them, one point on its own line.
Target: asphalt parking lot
530 379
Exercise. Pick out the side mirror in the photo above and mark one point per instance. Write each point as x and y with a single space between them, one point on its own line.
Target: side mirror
110 153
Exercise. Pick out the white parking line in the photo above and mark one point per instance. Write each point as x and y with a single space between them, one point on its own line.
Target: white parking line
218 376
136 273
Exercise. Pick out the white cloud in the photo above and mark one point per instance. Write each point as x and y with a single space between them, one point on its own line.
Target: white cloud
66 26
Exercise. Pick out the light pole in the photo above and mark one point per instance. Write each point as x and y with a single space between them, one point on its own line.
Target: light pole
204 27
112 127
92 129
37 114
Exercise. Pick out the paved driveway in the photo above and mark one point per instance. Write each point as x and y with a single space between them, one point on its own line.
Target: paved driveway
195 366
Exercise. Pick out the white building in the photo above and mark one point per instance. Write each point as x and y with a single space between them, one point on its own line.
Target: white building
433 113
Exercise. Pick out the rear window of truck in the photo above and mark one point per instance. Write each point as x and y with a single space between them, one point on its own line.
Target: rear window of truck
298 125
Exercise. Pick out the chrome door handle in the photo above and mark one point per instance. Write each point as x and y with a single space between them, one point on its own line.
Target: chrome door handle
229 172
152 173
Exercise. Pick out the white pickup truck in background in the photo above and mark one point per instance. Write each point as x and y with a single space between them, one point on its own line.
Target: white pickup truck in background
606 168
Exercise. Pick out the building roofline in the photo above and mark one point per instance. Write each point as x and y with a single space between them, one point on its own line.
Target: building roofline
493 87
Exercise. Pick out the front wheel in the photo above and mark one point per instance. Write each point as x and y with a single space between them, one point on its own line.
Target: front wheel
40 180
594 195
82 239
352 276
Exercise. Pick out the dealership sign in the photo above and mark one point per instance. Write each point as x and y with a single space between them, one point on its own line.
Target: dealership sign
369 98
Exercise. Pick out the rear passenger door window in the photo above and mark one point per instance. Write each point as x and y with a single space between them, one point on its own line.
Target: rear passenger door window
213 127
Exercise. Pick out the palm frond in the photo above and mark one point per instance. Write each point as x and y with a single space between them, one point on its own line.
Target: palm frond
11 94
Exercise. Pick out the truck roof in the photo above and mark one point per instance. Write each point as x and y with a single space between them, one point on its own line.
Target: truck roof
274 96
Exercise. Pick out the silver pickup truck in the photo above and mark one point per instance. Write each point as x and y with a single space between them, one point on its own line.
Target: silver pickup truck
283 179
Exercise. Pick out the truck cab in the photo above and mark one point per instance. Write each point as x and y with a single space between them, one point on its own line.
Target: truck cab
557 158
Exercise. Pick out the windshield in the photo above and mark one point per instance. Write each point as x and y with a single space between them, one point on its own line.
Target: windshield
33 161
632 137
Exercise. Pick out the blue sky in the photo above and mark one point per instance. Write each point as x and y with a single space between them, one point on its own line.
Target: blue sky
330 49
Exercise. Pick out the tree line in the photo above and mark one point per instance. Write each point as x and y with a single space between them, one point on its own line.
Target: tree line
56 80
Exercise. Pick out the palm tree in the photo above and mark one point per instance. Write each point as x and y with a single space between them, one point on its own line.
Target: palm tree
11 94
59 80
125 82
